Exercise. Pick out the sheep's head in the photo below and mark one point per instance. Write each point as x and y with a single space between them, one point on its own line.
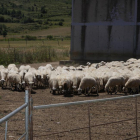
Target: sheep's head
79 90
125 89
2 81
74 87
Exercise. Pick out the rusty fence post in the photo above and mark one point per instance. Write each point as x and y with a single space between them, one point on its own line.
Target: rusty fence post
89 122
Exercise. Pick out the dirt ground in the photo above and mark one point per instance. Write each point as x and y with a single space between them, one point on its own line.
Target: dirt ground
70 122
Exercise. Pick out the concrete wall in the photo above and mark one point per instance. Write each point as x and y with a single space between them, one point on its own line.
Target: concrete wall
104 30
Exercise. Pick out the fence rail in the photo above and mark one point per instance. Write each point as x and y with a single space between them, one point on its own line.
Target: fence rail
84 102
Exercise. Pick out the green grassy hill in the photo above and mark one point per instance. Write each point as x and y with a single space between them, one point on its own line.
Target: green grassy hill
26 16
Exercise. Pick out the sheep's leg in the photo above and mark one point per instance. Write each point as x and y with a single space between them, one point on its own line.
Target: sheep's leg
108 92
97 92
137 90
116 89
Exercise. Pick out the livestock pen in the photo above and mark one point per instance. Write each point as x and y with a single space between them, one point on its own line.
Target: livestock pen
108 118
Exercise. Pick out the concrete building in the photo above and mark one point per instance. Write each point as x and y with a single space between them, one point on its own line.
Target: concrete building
105 30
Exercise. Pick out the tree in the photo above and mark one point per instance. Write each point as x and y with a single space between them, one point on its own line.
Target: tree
3 30
43 9
61 23
5 33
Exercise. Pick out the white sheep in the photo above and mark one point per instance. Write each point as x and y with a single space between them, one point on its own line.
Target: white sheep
10 66
4 73
65 84
14 79
53 84
88 83
133 83
113 82
29 78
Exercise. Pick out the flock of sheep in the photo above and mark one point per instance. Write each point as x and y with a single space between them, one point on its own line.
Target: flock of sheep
112 77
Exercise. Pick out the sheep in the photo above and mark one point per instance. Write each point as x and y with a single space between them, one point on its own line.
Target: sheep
14 79
27 67
4 73
22 75
88 64
29 78
10 66
133 83
53 84
65 84
49 66
87 82
113 82
14 69
22 67
1 67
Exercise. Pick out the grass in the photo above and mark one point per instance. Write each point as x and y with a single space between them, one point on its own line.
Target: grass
32 55
56 9
56 32
53 43
18 50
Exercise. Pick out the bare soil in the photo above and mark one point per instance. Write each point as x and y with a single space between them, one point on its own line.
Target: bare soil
71 122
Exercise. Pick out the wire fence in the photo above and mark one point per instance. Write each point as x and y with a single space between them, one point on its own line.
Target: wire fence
111 118
106 119
32 54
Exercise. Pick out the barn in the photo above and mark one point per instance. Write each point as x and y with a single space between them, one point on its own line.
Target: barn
105 30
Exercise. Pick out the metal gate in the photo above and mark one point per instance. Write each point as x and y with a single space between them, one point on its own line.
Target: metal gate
29 113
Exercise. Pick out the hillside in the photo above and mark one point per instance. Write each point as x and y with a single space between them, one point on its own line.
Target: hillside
26 16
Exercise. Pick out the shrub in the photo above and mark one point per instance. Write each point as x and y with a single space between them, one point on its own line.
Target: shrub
50 37
27 37
61 23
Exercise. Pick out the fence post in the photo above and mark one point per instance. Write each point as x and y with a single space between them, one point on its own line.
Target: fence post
26 113
30 115
89 122
6 125
136 115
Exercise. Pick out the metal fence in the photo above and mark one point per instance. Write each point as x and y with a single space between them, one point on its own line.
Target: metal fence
29 114
135 118
6 118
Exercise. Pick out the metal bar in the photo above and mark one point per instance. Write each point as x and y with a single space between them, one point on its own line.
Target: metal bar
12 113
89 123
30 116
26 113
22 136
85 102
6 129
136 115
